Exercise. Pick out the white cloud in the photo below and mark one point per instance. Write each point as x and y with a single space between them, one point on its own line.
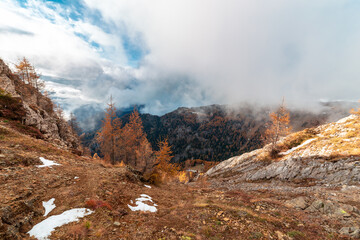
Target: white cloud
199 51
250 49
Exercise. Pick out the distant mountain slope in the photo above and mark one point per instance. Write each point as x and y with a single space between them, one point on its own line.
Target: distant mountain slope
327 154
212 133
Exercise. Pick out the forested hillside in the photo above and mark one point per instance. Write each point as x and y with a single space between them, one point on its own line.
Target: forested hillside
212 133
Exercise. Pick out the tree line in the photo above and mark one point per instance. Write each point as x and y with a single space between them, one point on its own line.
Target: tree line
129 145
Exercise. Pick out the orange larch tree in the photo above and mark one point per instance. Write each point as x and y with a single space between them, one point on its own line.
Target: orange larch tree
163 158
109 133
136 149
28 74
279 125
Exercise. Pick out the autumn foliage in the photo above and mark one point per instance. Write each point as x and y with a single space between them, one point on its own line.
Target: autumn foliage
110 134
127 144
95 204
163 168
279 125
356 112
28 75
135 147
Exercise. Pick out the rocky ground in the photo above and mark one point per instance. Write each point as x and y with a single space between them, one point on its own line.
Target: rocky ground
207 209
315 171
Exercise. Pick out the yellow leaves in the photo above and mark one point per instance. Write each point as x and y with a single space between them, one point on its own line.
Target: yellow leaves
128 144
28 75
163 158
279 125
355 112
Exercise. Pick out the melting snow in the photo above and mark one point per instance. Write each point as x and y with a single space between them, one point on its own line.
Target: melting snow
49 206
295 148
46 163
141 206
147 186
42 230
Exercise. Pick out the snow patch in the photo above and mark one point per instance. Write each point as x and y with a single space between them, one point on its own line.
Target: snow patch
42 230
46 163
76 177
49 206
295 148
147 186
141 206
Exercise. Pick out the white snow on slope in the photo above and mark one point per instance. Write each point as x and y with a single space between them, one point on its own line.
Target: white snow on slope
42 230
295 148
46 163
49 206
147 186
141 206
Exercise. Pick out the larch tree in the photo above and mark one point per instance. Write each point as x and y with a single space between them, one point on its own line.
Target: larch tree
163 157
109 133
28 74
59 111
279 125
134 145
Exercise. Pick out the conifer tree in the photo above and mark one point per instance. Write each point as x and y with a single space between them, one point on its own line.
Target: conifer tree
163 158
28 74
135 146
279 125
109 133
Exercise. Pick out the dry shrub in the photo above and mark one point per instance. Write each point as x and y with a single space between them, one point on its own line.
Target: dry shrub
95 204
203 181
100 232
245 198
155 177
120 164
79 231
274 153
183 177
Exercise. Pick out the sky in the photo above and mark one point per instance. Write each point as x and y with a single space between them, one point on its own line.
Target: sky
163 54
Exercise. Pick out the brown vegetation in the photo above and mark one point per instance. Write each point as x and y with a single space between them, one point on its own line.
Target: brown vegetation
278 127
26 71
126 144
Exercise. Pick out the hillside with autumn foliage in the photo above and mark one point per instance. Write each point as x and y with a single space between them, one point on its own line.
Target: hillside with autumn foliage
216 132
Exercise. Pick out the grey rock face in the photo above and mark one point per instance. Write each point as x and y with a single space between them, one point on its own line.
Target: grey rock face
39 112
299 203
350 231
310 160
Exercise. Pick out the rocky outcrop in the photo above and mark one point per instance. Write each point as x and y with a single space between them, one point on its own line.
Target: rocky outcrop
38 110
329 156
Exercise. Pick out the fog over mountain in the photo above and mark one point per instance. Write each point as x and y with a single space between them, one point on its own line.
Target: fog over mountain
166 53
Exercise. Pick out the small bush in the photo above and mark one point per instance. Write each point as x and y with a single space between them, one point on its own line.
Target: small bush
274 153
78 231
256 235
295 234
28 130
95 204
11 107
